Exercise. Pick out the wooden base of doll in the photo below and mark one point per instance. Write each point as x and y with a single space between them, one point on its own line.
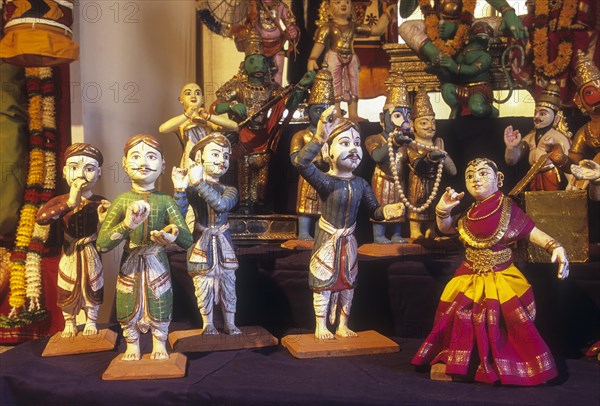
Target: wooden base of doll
195 341
80 344
367 342
438 373
250 228
300 245
146 368
411 247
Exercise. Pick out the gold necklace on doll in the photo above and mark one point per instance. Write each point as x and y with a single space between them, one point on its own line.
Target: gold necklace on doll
487 242
486 215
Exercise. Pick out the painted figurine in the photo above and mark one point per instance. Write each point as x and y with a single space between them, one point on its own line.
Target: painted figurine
427 160
244 97
466 86
484 323
80 213
444 30
211 259
308 203
147 220
395 117
276 25
586 143
337 28
549 126
333 264
195 123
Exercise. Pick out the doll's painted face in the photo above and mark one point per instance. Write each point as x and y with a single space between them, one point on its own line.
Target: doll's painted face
425 127
191 96
543 117
397 119
82 167
215 160
590 97
143 164
345 152
315 111
256 66
341 8
481 180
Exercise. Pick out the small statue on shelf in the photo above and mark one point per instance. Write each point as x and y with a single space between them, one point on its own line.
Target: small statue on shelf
80 213
586 143
211 260
147 220
337 28
426 162
248 96
488 283
276 25
195 123
444 30
466 86
395 118
334 262
550 129
308 202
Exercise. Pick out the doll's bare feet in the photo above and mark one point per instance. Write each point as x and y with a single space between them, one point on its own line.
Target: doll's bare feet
159 349
321 332
397 239
70 329
344 331
210 329
90 329
132 352
382 240
231 329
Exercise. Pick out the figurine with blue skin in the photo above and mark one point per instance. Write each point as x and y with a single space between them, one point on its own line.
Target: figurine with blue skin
395 117
334 259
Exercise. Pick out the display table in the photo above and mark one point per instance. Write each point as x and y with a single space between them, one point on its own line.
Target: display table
272 376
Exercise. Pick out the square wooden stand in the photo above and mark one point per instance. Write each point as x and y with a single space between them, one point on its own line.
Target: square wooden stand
80 344
367 342
146 368
195 341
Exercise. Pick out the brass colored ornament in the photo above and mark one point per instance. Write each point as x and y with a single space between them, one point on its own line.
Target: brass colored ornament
322 88
550 96
249 41
397 92
585 70
422 106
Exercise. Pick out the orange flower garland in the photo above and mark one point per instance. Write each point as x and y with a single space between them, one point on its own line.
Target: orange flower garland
543 67
448 47
25 267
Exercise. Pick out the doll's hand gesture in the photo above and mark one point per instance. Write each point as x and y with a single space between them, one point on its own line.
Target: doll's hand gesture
312 65
393 211
239 110
559 254
75 192
512 138
179 178
103 210
449 200
136 214
586 170
325 125
165 236
449 64
195 174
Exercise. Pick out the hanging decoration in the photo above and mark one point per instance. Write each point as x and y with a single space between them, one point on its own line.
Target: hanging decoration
25 261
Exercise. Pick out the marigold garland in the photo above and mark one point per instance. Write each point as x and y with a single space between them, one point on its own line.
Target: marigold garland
543 67
451 46
25 266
